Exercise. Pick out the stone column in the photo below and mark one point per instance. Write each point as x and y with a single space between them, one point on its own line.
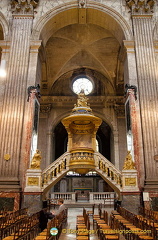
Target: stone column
14 98
147 83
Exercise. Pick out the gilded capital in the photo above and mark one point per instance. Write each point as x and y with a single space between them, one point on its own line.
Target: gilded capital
141 6
23 6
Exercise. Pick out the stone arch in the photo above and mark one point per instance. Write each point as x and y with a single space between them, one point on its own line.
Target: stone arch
109 121
48 187
112 185
5 26
155 32
113 20
58 119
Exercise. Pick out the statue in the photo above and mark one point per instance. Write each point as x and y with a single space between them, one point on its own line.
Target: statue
128 164
82 99
36 160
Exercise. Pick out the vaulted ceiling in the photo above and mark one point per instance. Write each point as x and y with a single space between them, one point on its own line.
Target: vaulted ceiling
85 47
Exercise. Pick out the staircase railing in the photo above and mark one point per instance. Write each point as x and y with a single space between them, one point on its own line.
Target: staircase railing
55 169
102 166
108 170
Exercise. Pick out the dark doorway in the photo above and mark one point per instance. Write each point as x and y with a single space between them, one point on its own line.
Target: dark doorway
103 138
61 139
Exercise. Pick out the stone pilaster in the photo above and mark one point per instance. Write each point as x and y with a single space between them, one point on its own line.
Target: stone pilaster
147 82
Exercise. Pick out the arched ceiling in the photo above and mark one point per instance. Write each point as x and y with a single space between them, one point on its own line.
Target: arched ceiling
106 18
94 44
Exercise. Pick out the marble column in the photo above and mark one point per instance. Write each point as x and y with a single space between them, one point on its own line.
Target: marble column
134 107
29 109
133 117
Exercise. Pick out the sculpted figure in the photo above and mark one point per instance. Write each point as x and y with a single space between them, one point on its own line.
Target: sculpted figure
128 164
82 99
36 160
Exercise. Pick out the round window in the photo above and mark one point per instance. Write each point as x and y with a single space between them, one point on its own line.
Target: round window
82 83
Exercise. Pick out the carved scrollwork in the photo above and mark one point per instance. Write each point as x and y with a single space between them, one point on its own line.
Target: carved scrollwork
45 108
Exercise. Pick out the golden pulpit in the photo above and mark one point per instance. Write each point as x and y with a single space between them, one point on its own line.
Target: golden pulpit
82 127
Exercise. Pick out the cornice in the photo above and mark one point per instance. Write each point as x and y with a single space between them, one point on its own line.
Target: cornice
49 102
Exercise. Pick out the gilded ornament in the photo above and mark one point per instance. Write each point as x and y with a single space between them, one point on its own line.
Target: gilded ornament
45 178
130 181
128 164
36 160
7 157
33 181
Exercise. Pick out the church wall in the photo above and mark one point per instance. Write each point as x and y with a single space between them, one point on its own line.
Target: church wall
91 184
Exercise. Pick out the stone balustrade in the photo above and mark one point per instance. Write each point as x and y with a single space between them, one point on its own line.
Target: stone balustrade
106 198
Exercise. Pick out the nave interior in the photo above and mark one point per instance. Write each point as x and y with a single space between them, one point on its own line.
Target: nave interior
83 222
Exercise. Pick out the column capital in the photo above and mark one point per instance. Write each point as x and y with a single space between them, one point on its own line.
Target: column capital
23 8
141 7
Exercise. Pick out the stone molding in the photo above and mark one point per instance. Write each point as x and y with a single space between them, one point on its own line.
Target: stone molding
141 6
92 99
49 102
129 46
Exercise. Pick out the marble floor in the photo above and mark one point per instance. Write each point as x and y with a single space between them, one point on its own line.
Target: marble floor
68 232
